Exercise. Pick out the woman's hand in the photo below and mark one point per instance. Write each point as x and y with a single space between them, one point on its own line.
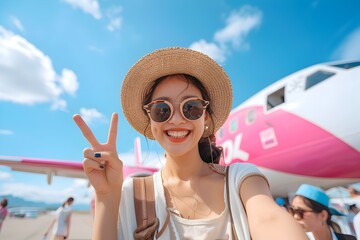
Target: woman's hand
101 162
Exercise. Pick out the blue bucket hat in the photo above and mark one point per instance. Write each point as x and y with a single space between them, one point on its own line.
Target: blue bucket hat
318 195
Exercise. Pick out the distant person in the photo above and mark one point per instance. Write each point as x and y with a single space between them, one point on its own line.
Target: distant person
354 193
310 207
61 221
353 210
3 210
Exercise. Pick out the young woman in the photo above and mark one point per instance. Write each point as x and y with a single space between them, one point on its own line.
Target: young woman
180 98
310 207
3 210
62 221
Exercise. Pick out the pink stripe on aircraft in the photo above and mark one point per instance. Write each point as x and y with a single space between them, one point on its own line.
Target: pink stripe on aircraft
291 144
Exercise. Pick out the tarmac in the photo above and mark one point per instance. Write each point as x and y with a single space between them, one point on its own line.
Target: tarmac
15 228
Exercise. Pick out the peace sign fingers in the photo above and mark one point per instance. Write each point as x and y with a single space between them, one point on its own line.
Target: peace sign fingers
88 134
113 130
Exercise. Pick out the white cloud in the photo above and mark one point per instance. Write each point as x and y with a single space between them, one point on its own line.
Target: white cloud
210 49
49 194
95 49
89 115
116 20
27 75
6 132
238 26
349 49
17 23
68 81
88 6
5 176
114 24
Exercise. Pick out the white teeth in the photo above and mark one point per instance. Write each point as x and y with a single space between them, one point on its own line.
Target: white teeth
177 134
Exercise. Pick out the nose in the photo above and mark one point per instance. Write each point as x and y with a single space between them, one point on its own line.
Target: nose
297 217
177 118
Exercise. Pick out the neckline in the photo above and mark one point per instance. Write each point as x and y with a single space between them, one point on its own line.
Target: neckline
171 210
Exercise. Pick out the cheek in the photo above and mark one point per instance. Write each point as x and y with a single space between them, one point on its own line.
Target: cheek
155 128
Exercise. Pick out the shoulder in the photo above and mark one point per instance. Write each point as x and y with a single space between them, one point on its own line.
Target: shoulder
244 170
127 187
128 182
239 172
244 167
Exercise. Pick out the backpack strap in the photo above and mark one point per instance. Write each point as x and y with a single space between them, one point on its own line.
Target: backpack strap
144 200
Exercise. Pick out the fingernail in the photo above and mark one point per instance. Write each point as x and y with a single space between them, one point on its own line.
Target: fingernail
97 154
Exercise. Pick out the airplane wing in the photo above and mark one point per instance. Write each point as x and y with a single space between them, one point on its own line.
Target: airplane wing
51 167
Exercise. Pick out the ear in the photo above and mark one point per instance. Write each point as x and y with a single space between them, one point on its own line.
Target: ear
324 215
207 116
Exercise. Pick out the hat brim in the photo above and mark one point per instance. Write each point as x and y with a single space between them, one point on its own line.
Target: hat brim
169 61
335 212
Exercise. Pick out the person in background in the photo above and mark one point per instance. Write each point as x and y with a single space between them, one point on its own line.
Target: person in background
3 210
61 222
354 193
353 210
310 207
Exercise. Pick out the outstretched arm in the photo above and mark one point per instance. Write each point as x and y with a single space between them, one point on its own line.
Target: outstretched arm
266 219
105 172
49 228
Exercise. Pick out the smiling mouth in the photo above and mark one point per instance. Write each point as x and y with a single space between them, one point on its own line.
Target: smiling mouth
177 134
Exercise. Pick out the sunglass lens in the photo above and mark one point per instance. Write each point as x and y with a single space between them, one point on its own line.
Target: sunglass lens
193 109
298 212
160 112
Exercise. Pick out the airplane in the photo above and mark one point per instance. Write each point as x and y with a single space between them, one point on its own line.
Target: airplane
64 168
303 128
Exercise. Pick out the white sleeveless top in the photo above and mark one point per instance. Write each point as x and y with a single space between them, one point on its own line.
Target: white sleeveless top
215 228
238 172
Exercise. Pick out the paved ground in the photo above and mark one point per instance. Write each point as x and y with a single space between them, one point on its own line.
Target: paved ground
34 228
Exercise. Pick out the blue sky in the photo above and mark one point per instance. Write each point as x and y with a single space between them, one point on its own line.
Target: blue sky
62 57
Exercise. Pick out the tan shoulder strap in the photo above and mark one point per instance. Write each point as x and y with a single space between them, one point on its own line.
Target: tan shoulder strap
234 236
144 200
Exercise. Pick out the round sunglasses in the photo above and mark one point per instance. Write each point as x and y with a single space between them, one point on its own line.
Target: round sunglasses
162 110
298 211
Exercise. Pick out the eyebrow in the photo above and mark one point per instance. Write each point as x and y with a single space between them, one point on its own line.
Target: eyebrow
181 99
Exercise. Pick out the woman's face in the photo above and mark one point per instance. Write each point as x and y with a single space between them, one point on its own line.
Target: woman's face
178 136
311 221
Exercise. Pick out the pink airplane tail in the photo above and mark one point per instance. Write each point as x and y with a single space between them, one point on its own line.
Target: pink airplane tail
138 157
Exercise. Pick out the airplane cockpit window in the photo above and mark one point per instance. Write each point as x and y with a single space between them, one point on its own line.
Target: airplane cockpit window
317 77
276 98
347 65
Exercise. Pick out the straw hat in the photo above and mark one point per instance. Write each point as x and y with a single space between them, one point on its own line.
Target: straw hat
168 61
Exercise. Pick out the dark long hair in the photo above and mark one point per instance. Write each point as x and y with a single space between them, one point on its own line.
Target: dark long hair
209 152
4 202
70 199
